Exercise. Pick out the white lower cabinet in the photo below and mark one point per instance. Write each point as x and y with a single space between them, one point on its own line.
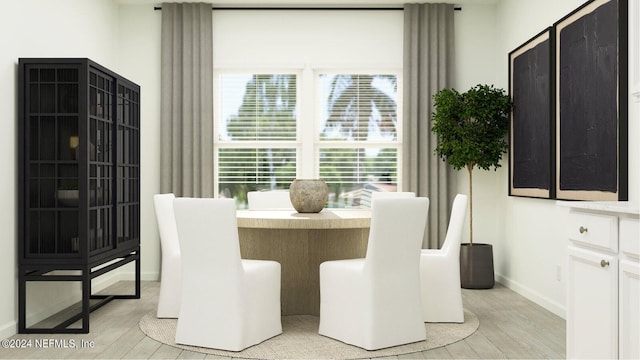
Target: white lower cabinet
592 309
603 297
629 309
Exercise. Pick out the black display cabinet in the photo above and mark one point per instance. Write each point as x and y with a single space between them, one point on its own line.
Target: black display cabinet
79 181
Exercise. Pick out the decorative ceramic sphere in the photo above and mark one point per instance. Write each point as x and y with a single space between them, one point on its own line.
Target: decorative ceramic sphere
308 195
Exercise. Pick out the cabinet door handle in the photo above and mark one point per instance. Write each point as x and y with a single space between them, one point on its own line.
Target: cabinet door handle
583 229
604 263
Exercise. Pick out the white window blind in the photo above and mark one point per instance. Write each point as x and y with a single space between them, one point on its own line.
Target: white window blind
259 168
358 135
257 133
258 107
358 107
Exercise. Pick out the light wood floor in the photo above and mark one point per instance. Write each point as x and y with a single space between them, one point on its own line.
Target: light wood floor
511 327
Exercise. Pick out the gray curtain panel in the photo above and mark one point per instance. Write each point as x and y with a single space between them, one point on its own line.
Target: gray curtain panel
428 67
186 131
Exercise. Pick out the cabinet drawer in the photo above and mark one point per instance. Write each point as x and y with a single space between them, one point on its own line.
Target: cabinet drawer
597 230
630 237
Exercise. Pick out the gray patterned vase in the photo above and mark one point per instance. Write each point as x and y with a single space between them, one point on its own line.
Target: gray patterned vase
308 195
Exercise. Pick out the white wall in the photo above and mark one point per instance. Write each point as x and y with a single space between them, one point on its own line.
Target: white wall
476 48
530 247
38 28
139 60
295 39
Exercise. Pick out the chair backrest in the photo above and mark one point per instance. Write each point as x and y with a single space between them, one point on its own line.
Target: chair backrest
373 195
209 242
269 200
456 224
392 194
395 238
165 216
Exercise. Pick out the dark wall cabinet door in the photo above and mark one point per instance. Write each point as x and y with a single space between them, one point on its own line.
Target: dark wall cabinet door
128 163
51 117
79 126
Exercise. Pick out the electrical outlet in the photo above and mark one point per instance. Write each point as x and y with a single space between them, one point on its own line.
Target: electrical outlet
558 273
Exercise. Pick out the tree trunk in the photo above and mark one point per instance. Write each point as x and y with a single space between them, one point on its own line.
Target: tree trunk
470 169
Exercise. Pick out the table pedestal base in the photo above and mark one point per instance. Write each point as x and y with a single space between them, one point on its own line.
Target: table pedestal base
300 253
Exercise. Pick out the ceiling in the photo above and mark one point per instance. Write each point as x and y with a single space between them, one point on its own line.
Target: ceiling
308 3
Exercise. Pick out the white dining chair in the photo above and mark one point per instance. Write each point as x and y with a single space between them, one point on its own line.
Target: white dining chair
227 303
269 200
440 271
171 267
374 302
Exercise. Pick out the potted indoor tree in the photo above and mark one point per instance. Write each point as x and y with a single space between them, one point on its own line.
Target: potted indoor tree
471 130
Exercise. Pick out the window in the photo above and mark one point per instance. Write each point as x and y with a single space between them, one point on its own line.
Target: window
256 142
358 134
262 142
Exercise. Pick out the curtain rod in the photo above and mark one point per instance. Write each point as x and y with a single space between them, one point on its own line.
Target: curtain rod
457 8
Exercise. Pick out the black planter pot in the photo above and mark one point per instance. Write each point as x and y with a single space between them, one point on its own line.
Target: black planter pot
476 266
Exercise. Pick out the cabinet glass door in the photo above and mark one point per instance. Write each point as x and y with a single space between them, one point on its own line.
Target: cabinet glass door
52 195
101 161
128 176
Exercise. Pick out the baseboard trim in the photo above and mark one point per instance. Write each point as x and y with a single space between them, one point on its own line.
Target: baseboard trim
144 276
150 276
536 297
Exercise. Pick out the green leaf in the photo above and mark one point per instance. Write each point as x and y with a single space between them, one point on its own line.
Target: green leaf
471 127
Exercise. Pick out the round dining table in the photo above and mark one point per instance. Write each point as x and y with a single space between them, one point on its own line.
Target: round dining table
300 242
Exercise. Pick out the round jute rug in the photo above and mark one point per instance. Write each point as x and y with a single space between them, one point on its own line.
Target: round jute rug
300 340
